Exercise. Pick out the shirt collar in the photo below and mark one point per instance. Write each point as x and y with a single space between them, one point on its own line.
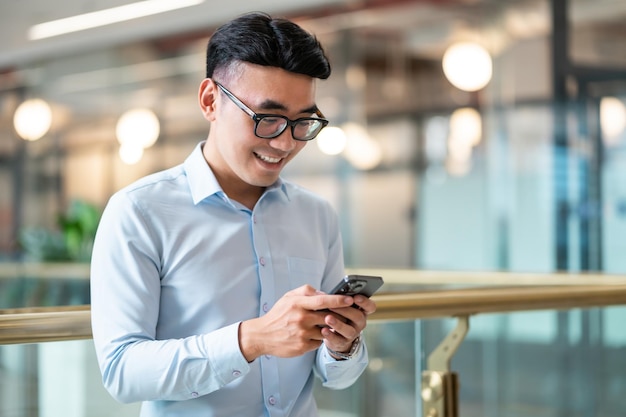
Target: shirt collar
279 185
202 181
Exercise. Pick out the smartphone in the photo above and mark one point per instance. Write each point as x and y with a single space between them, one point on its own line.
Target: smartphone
365 285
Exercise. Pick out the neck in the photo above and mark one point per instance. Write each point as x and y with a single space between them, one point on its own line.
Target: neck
248 198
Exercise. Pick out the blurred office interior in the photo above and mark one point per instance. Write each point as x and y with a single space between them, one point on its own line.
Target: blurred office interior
507 157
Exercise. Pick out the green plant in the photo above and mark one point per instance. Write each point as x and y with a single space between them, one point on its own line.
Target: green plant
72 241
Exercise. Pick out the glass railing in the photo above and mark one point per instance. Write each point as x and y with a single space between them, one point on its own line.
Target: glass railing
537 345
43 285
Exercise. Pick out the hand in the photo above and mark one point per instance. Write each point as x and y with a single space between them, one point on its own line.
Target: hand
347 323
295 324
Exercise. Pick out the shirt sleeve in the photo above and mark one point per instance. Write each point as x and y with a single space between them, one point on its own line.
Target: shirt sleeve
125 294
340 374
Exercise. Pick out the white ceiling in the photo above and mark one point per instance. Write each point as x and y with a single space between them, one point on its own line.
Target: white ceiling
19 15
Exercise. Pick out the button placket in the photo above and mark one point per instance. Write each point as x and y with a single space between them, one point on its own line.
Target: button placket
264 264
267 297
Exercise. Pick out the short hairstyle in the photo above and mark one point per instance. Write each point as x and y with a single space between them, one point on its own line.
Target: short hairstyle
259 39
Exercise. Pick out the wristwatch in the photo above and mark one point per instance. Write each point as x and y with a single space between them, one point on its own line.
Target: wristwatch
347 355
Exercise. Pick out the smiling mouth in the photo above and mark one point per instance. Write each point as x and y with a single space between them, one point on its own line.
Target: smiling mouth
268 159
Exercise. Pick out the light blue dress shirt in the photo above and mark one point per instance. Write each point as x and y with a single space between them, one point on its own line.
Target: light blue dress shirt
177 266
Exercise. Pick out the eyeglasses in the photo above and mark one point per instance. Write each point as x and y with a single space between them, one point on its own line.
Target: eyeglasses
269 126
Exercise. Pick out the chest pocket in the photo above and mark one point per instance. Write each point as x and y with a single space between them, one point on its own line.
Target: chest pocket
305 271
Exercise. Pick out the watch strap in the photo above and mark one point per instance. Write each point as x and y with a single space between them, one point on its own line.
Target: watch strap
354 349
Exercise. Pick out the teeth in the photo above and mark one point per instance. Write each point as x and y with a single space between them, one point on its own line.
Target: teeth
268 159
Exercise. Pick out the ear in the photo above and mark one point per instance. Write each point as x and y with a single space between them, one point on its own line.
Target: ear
207 96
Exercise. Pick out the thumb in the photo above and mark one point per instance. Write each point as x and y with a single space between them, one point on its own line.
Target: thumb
303 290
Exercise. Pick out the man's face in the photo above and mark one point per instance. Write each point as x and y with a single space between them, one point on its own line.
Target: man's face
241 160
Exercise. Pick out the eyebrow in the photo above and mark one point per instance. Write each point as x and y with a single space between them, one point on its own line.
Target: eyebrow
274 105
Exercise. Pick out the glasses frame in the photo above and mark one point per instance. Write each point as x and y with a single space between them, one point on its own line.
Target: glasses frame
257 117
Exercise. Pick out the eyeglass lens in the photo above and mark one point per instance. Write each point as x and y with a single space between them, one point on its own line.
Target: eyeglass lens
303 129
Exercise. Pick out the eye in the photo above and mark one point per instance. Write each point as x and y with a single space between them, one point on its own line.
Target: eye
307 123
271 120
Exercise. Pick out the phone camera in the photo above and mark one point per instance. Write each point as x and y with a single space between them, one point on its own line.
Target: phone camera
357 286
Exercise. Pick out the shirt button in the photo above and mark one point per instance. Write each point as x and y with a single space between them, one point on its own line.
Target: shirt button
236 373
268 357
266 307
271 400
194 394
254 219
262 261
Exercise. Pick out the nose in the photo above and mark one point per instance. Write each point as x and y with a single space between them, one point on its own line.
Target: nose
284 142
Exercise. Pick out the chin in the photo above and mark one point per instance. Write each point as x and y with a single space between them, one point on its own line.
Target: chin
262 181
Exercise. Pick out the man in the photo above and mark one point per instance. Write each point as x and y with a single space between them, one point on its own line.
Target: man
207 278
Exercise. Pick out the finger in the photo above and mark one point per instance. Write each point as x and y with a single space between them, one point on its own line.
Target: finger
349 314
337 341
326 302
328 315
346 329
365 304
316 334
332 336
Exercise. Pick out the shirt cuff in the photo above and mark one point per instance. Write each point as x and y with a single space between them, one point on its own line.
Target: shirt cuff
225 355
340 374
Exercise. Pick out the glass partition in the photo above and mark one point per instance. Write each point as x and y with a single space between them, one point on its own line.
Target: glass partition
528 364
55 379
25 285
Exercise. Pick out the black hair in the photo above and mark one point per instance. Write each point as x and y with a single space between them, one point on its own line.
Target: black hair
259 39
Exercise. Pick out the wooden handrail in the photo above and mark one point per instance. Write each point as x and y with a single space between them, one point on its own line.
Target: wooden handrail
472 301
80 271
73 323
45 324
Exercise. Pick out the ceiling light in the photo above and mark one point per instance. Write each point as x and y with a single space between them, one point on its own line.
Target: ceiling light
106 17
331 140
466 127
361 150
468 66
32 119
612 119
138 126
130 153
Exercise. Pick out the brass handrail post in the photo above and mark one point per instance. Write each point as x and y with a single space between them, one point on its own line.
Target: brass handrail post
440 386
